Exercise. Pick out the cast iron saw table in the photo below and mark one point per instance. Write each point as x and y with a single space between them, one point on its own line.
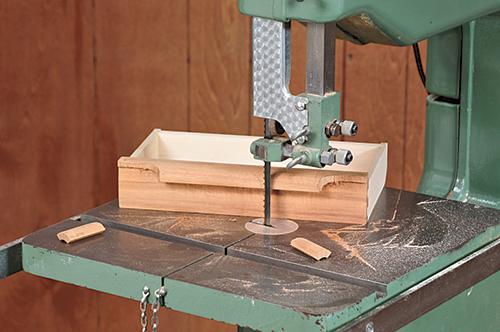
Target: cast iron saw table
416 256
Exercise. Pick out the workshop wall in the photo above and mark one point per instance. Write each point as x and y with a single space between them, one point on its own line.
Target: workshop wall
83 83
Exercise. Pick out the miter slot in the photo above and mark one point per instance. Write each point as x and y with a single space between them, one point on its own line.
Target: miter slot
264 284
235 253
156 235
205 231
376 286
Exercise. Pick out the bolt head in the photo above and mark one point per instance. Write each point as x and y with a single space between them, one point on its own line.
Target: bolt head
332 129
300 105
327 157
300 140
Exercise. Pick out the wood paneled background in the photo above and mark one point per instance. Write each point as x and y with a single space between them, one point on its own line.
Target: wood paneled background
83 83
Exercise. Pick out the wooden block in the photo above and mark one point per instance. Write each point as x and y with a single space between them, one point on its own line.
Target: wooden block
210 173
310 248
81 232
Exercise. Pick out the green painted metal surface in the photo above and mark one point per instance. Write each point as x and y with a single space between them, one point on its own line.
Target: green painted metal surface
444 53
478 177
476 309
233 309
321 111
88 273
404 21
268 149
441 141
472 162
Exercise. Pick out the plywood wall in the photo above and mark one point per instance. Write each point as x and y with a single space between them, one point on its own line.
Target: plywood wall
83 82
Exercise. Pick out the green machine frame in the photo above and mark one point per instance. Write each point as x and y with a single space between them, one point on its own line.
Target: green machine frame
463 79
463 114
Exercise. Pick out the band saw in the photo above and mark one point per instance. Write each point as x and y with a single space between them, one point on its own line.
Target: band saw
423 261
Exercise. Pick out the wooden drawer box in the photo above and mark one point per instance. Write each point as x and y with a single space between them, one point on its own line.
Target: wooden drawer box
207 173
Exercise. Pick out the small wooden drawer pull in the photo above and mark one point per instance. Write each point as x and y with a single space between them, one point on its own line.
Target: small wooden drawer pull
310 248
81 232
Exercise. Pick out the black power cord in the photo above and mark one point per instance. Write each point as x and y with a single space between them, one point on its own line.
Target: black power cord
418 60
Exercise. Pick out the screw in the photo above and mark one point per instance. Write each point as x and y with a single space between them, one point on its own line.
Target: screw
300 140
333 129
327 157
370 327
300 105
162 291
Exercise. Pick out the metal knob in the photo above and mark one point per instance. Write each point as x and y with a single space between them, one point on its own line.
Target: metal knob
337 127
349 128
343 157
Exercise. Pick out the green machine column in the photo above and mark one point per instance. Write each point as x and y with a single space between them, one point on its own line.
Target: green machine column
477 125
441 130
444 53
478 178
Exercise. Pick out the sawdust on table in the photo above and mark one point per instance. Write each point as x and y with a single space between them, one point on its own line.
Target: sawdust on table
181 221
333 234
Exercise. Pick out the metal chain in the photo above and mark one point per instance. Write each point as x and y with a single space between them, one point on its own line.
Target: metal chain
159 293
143 306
